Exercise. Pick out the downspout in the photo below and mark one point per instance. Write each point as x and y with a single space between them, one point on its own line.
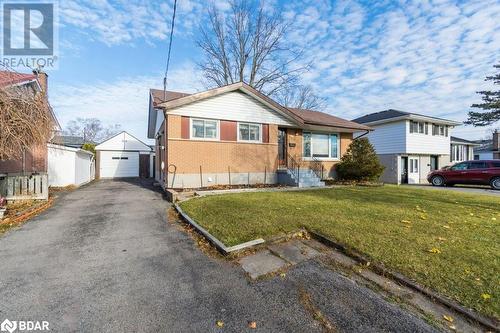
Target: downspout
362 135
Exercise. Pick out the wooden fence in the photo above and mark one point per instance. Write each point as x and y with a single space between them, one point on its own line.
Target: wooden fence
22 187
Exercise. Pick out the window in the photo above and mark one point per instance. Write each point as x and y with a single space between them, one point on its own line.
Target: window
204 129
115 158
418 127
495 164
477 165
249 132
459 166
320 145
441 130
459 153
413 165
124 158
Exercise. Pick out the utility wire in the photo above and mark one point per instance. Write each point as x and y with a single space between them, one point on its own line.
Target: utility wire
169 50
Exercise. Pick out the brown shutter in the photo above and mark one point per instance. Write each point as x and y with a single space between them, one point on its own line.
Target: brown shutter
185 127
265 133
228 130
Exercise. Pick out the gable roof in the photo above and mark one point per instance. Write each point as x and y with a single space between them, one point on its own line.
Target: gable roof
299 116
8 78
159 96
119 142
394 115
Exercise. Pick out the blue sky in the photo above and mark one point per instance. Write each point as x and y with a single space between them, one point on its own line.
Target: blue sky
424 56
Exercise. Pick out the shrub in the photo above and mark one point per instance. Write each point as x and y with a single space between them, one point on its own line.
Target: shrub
360 162
89 147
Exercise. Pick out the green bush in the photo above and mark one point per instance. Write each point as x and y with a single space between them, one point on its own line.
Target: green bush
360 163
89 147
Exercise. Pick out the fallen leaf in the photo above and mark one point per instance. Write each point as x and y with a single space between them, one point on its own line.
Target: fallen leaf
252 324
446 226
452 327
486 296
448 318
493 218
283 275
471 214
442 239
435 250
219 323
405 221
423 217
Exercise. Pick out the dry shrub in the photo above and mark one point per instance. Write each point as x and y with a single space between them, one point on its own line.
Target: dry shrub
25 120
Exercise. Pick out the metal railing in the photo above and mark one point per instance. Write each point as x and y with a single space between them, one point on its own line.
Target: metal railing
317 167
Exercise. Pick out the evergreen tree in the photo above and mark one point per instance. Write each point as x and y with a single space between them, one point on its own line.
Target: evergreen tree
491 105
360 162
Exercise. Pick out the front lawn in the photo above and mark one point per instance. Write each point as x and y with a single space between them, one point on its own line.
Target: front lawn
445 240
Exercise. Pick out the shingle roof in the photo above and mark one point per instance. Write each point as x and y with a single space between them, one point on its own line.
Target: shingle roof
460 140
321 118
160 97
68 140
8 78
307 116
391 113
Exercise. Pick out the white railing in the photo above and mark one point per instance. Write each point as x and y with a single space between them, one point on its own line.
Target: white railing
22 187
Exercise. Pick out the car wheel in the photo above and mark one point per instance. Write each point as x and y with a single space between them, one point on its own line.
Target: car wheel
437 181
495 183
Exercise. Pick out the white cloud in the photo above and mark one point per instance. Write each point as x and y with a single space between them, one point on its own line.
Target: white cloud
124 101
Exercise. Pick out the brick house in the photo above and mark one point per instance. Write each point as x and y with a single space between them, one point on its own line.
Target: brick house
35 159
236 135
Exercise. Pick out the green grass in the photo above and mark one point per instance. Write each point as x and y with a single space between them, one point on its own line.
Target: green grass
463 228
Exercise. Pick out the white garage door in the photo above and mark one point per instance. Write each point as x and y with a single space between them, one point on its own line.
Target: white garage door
116 164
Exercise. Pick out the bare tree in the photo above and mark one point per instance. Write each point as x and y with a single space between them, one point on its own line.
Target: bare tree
302 97
25 121
91 129
249 44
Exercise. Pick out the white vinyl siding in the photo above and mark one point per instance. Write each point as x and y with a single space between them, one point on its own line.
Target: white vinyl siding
236 106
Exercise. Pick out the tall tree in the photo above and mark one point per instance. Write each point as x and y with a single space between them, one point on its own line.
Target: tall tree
91 129
248 43
490 105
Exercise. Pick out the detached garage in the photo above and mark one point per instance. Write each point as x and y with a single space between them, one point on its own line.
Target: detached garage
69 166
124 156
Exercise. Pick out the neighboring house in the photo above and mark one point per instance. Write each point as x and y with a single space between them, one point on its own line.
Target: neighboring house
409 145
33 160
488 149
236 135
461 150
69 166
69 141
124 156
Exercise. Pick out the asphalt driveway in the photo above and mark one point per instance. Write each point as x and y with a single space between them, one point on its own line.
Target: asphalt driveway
105 259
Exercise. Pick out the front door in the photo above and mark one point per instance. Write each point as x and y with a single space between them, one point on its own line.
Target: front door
414 170
434 163
282 147
404 170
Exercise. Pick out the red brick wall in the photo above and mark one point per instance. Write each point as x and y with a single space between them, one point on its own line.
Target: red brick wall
35 160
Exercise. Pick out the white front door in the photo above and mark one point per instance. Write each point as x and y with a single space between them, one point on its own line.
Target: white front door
117 164
413 170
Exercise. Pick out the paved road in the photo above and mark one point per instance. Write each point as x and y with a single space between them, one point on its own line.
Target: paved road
104 259
460 188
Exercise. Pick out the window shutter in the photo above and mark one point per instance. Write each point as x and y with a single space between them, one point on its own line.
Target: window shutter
411 126
426 128
185 127
446 130
265 133
228 130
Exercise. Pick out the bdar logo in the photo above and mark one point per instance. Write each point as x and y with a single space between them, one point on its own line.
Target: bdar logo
8 326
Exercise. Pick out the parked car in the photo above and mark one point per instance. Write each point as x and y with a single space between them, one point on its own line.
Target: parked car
486 172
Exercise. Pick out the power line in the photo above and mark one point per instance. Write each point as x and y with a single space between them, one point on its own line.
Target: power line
169 50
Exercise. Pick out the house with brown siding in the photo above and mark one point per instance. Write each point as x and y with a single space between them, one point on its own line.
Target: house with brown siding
236 135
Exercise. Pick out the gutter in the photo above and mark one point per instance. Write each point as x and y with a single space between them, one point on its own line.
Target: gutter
362 135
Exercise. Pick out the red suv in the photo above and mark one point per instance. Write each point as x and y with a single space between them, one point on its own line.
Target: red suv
469 172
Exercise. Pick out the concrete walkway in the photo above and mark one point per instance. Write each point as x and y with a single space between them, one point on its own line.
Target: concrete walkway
105 259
